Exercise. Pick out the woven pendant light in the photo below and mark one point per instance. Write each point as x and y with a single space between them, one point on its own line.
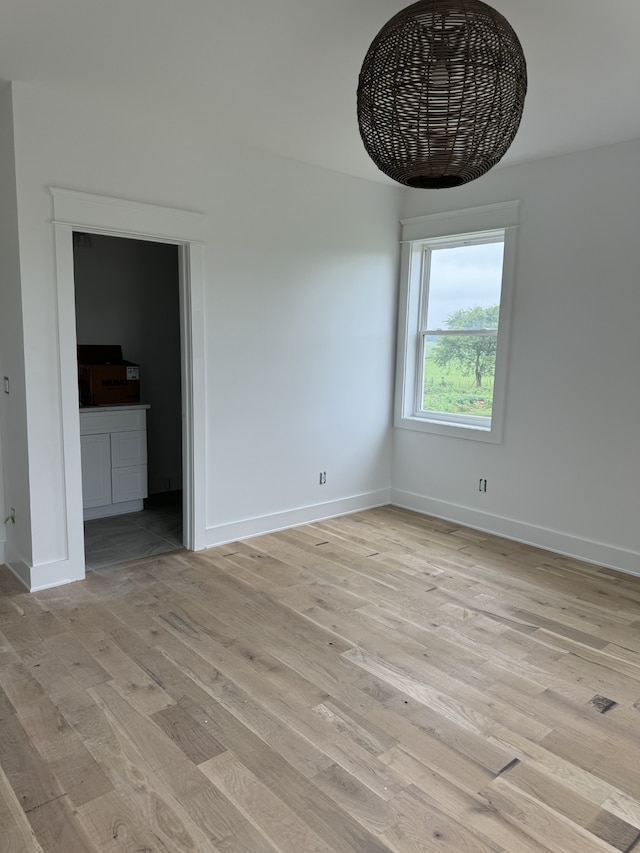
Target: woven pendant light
441 93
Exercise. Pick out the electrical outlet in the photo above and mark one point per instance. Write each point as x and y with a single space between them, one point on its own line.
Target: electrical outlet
6 384
482 485
323 477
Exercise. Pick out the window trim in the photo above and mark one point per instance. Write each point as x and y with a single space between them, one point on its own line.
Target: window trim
441 229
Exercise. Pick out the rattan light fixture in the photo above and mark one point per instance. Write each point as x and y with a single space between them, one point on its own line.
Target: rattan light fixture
441 93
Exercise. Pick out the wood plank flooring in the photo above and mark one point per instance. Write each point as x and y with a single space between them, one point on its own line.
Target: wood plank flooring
377 683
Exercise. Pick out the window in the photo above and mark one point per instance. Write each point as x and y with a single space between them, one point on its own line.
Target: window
454 319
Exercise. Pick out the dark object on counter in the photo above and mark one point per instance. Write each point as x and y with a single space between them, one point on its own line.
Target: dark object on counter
105 378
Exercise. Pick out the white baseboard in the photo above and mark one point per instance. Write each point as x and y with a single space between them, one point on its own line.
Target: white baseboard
51 575
121 508
56 573
16 565
223 533
44 576
579 548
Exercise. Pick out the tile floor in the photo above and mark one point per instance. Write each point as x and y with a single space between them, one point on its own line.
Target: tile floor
154 530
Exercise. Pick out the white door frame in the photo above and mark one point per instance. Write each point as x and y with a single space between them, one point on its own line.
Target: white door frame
77 211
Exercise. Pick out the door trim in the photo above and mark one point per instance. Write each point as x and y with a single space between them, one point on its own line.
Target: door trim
114 217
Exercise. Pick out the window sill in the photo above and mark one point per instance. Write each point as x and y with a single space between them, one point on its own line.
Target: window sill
472 432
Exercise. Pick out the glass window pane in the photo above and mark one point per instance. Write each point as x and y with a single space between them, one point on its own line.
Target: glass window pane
464 287
458 374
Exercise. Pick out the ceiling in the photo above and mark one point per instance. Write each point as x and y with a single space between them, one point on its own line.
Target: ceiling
282 74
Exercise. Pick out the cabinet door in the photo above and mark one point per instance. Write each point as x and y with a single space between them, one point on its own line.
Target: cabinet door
129 484
95 452
128 448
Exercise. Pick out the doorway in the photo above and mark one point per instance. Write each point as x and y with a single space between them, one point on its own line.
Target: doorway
75 211
127 295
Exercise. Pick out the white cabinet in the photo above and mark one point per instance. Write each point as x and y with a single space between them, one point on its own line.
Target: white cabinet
96 470
128 448
113 445
128 484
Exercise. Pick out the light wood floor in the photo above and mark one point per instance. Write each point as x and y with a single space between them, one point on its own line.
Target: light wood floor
379 682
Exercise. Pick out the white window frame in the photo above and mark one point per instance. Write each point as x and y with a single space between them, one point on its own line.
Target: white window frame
473 225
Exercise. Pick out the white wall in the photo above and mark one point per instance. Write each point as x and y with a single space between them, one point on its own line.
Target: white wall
567 475
301 280
3 535
15 540
127 293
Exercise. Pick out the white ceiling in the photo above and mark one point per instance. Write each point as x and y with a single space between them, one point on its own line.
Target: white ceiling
282 74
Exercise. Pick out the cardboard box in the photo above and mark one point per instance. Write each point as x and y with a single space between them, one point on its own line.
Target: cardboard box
105 378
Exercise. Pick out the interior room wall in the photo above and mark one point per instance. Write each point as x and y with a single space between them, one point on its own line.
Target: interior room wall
3 535
301 285
127 293
300 302
15 540
567 475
